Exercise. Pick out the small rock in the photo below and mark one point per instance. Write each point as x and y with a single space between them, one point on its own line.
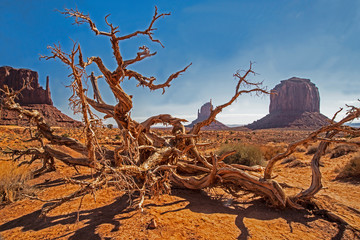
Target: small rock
152 224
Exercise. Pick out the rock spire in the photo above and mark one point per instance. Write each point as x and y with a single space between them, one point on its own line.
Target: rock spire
203 114
33 97
33 93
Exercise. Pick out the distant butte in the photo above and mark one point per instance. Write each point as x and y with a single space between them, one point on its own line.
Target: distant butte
203 114
33 97
295 103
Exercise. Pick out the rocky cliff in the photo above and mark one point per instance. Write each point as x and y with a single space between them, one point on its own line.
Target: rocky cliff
294 103
33 93
33 97
204 113
295 95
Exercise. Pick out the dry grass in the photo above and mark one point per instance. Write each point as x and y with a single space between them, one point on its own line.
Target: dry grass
312 149
288 160
13 182
248 155
184 214
271 151
342 150
352 169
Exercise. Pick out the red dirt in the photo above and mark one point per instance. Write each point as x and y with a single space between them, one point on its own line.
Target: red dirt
187 214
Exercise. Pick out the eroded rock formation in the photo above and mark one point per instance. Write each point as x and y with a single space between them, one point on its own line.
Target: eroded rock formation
203 114
33 93
295 95
295 104
33 97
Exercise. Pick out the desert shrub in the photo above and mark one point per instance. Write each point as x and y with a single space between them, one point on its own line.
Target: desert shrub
288 160
13 182
248 155
271 151
297 163
352 169
342 150
65 135
300 149
312 150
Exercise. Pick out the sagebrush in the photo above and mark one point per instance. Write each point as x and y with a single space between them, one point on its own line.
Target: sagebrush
245 154
13 182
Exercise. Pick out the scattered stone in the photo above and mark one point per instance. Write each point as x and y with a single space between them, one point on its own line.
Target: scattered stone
152 224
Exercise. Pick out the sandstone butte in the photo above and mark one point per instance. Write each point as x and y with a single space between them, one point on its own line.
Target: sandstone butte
204 113
33 97
295 103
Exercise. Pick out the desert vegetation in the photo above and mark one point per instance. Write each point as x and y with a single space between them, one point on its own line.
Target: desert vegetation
13 182
351 169
141 162
244 154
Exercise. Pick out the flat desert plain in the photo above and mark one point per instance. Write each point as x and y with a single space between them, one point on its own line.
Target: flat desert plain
185 214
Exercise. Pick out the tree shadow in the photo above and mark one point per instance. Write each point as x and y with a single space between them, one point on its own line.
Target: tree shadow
355 180
197 202
93 218
61 181
254 209
90 218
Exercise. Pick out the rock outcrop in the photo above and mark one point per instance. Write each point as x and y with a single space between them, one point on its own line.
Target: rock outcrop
33 93
295 95
53 116
295 103
33 97
203 114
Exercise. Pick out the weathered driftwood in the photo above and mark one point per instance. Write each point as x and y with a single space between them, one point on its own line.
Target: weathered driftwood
144 161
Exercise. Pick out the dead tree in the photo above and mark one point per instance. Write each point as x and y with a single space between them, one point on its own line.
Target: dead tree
145 161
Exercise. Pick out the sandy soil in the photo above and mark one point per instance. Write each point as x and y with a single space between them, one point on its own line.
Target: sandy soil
186 214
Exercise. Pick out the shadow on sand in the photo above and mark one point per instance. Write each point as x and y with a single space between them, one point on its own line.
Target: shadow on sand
197 202
256 209
93 218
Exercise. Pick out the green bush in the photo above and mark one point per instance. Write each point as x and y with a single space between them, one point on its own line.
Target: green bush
248 155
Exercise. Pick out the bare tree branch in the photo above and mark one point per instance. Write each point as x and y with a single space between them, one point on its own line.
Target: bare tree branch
149 30
241 81
142 160
148 82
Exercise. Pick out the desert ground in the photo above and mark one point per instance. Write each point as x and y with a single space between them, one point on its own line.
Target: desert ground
184 214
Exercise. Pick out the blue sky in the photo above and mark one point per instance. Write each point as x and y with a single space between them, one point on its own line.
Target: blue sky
315 39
